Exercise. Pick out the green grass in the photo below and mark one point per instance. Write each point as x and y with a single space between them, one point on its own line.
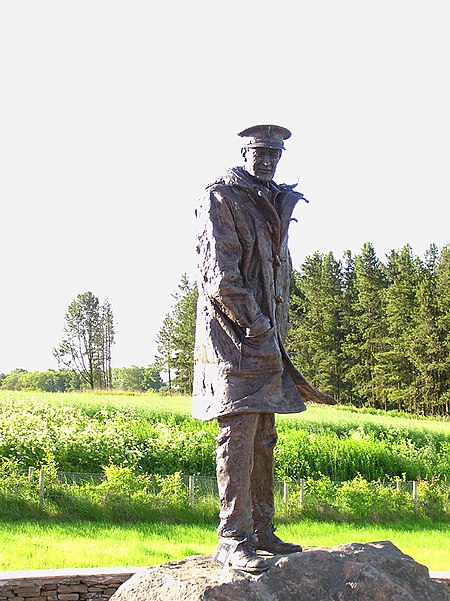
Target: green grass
425 542
151 404
111 423
145 404
28 545
344 416
44 545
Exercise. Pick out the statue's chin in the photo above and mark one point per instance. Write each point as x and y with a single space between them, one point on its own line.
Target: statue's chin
263 177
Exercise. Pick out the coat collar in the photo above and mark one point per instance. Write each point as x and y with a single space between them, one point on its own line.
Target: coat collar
238 176
278 201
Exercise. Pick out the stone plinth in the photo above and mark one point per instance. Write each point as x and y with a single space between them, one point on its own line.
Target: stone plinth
354 572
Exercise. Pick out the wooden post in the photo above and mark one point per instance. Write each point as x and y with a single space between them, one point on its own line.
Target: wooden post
414 495
399 485
191 492
302 491
41 488
30 473
285 492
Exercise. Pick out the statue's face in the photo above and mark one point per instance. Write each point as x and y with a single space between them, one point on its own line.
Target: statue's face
261 162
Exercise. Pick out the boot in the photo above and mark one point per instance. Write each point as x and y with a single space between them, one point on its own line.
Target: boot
239 555
268 541
246 559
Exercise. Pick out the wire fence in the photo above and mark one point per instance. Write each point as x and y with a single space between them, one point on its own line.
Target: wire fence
199 487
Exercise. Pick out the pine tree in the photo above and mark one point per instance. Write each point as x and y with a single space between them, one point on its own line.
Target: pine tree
425 350
430 351
314 340
367 331
396 364
176 338
443 305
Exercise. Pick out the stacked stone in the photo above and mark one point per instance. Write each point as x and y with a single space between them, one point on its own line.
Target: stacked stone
62 585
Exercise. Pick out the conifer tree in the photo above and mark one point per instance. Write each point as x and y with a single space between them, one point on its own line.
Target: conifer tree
395 363
443 305
430 352
366 337
316 315
176 338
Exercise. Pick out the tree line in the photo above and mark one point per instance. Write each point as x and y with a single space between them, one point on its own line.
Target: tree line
134 378
371 333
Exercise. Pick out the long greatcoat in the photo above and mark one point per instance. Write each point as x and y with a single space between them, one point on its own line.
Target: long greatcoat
244 275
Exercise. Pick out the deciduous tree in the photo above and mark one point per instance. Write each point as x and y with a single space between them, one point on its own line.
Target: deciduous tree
137 378
88 336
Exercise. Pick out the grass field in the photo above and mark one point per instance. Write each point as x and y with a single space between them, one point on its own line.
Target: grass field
71 426
148 404
144 404
40 545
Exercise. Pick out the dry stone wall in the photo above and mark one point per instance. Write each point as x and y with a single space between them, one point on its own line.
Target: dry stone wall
63 585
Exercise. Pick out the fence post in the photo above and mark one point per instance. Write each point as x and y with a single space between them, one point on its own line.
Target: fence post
302 491
30 473
414 494
399 485
41 488
285 492
191 492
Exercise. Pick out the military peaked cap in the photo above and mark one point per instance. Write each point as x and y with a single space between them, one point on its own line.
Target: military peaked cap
265 136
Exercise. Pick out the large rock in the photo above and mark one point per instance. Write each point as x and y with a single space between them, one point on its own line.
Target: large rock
353 572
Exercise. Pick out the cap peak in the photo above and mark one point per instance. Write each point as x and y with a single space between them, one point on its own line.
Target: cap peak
265 136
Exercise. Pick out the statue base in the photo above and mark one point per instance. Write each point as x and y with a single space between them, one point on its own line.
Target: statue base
376 571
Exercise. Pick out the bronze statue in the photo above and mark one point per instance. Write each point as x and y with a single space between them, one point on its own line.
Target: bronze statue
243 374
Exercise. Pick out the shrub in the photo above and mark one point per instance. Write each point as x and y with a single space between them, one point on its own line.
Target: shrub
319 500
434 499
83 438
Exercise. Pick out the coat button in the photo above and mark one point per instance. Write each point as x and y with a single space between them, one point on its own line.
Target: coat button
279 299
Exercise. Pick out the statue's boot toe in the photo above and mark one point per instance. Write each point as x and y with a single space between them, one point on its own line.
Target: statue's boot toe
272 544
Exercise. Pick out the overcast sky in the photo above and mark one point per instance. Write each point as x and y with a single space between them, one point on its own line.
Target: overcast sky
114 115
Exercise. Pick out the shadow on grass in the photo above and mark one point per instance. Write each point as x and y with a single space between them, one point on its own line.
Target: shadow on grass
67 510
113 509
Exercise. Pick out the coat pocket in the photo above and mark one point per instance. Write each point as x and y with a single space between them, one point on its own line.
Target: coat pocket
261 353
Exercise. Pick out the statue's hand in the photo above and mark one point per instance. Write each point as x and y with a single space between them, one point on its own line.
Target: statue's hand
261 325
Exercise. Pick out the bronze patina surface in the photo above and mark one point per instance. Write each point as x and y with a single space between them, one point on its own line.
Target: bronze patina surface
243 374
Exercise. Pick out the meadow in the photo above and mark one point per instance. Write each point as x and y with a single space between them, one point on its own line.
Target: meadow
134 509
83 432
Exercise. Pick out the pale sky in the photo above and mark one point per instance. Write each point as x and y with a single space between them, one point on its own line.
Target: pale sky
114 116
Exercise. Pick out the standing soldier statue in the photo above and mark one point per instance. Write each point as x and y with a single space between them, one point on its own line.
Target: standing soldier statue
243 374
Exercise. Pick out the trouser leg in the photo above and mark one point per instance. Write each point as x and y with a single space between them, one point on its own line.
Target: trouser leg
235 457
262 478
263 489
